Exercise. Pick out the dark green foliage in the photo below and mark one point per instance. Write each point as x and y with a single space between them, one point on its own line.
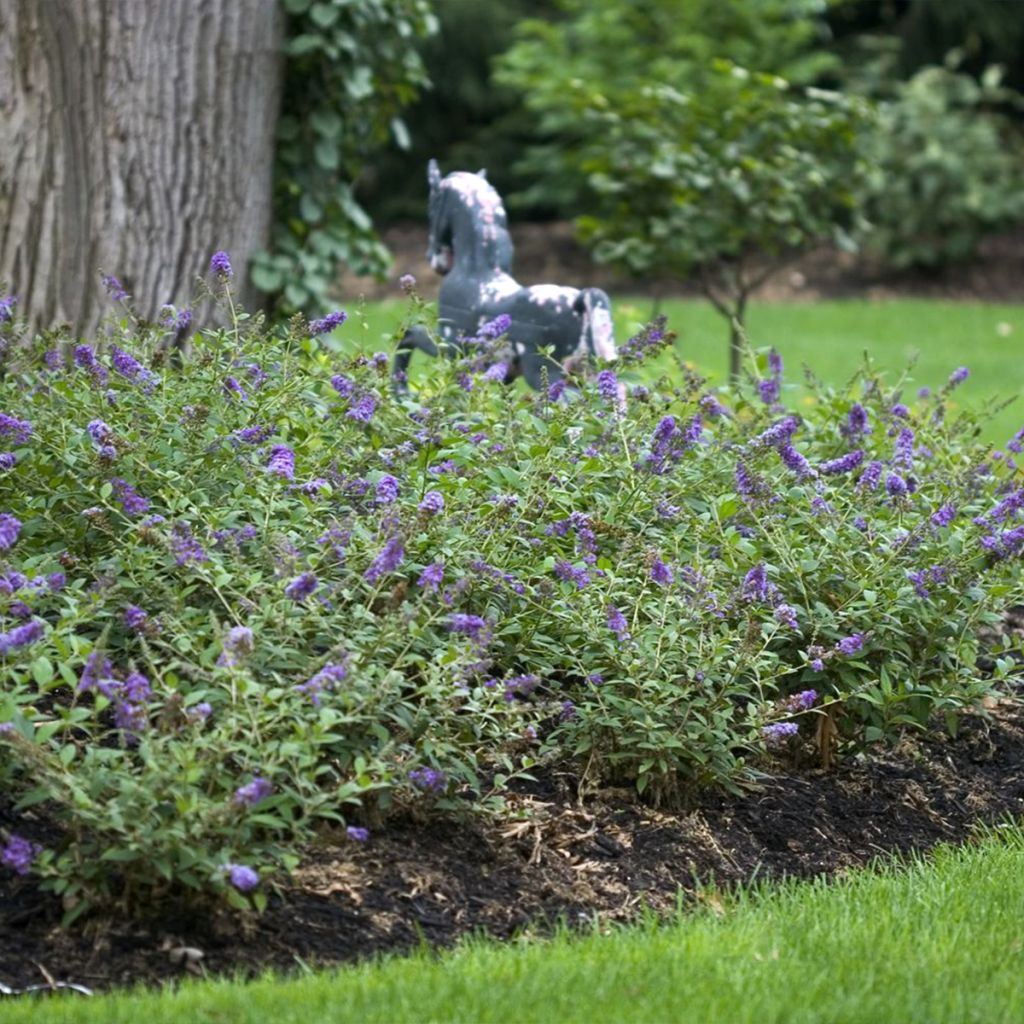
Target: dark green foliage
351 69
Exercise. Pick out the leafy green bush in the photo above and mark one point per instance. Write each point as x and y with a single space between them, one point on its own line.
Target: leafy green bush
944 168
350 69
263 596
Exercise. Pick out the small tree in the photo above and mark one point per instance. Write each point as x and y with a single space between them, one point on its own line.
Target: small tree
730 183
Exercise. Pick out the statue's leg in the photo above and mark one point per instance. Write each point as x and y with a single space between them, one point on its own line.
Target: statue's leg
417 337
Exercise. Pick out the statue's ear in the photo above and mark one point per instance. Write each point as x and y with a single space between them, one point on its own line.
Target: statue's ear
433 175
482 173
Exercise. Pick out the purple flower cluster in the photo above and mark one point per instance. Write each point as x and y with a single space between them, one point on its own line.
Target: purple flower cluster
301 587
933 576
520 686
85 359
778 734
388 559
844 464
18 854
958 376
19 431
135 618
757 586
328 323
9 530
617 624
661 573
326 679
771 387
242 877
282 462
850 644
569 573
114 288
253 792
495 328
362 409
131 501
220 265
237 646
173 319
432 503
128 366
386 492
184 546
648 342
856 421
21 636
608 385
253 435
429 779
777 434
7 305
904 449
432 577
795 461
944 515
785 615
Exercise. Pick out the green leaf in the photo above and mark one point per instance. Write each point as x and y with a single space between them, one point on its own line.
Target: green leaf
324 14
326 154
265 278
42 671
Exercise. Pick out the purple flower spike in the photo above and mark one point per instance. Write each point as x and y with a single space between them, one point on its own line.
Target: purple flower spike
18 854
850 644
301 587
354 832
253 792
432 503
328 323
388 559
9 529
220 265
958 376
282 461
778 734
242 877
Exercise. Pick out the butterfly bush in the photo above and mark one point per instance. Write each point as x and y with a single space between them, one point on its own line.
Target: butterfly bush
226 624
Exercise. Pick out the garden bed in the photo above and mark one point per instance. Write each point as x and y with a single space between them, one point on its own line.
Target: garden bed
605 857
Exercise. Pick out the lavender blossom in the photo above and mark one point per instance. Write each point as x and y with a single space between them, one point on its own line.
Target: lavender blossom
556 389
135 618
850 644
895 485
432 577
844 464
757 586
407 282
432 503
777 433
429 779
131 501
18 854
8 460
495 328
301 587
785 615
387 490
114 288
9 530
871 476
778 734
857 421
282 461
608 385
21 636
354 832
471 625
904 450
388 559
795 461
220 265
661 573
326 679
242 877
237 646
568 573
253 792
328 323
7 305
184 546
617 624
944 515
18 430
958 376
362 409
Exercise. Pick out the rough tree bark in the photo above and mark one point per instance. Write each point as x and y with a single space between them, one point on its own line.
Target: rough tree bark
137 140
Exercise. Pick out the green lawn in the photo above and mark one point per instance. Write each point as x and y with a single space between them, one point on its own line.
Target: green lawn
830 337
939 941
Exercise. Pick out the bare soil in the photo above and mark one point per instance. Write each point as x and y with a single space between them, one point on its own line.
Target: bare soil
550 253
603 857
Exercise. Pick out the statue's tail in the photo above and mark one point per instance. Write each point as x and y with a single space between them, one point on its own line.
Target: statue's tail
597 335
415 338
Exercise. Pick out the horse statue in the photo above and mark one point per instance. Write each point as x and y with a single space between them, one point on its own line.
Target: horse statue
471 247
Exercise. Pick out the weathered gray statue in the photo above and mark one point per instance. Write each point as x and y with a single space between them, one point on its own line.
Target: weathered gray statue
470 244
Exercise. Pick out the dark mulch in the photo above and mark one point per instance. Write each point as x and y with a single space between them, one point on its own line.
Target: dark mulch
604 856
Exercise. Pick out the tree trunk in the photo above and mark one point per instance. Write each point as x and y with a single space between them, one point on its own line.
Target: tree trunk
737 338
138 139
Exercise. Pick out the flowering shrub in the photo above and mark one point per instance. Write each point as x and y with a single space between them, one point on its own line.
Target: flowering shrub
232 613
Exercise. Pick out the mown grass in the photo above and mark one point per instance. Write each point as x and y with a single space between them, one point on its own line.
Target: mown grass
830 337
938 940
